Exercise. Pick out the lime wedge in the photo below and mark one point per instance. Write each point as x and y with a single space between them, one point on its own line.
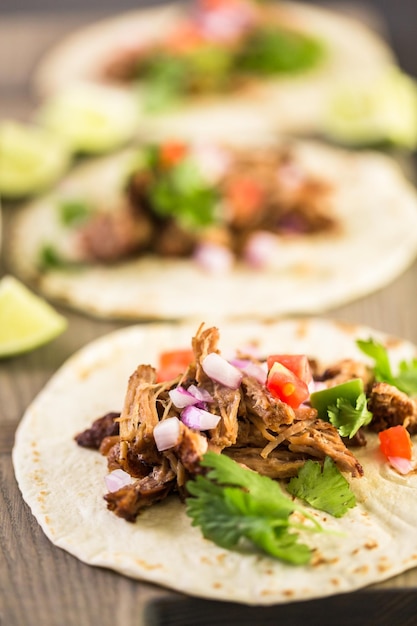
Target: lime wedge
26 320
91 119
31 159
382 111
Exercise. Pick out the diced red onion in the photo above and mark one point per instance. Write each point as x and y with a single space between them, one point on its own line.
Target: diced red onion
212 160
316 385
166 433
259 249
117 479
251 369
224 23
213 257
193 417
182 397
403 466
217 368
201 394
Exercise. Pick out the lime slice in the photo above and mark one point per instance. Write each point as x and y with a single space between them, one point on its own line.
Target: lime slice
91 118
26 320
31 159
381 111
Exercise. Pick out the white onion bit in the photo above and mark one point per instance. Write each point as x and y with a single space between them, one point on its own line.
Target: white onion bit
193 417
217 368
117 479
166 433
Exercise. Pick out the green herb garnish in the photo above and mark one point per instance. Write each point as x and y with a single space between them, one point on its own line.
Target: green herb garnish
324 488
405 380
50 258
182 193
270 50
348 419
73 211
233 505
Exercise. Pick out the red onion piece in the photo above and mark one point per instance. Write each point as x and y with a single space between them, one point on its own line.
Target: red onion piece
166 433
213 258
251 369
193 417
212 160
181 397
117 479
221 370
403 466
225 22
259 249
201 394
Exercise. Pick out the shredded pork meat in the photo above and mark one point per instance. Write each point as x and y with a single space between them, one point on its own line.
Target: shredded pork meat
255 428
288 201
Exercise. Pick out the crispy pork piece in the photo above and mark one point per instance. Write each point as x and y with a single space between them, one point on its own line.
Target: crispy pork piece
391 407
347 369
102 427
128 501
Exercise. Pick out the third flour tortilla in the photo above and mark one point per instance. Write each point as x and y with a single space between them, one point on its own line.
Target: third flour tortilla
64 484
373 202
288 103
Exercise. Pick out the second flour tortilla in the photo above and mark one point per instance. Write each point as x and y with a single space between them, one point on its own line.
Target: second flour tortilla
374 203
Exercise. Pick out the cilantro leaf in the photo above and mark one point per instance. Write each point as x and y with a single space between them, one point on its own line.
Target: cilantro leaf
233 505
181 192
270 50
376 351
73 211
323 487
348 418
405 380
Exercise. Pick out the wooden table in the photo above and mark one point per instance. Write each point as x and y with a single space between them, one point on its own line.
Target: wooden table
41 584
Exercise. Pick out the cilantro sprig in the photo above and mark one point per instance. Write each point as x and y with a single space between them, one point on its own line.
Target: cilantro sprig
348 419
406 378
233 505
323 487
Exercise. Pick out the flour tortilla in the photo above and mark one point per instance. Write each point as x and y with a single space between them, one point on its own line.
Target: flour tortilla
376 207
64 484
295 104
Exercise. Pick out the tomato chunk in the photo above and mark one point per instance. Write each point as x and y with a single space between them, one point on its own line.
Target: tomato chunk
297 363
172 152
172 363
285 385
245 196
395 442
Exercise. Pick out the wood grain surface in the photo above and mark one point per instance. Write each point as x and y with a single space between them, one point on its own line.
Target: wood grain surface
41 584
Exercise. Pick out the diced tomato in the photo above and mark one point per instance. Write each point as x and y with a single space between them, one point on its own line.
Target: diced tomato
244 196
213 5
172 363
395 442
297 363
286 386
185 38
172 152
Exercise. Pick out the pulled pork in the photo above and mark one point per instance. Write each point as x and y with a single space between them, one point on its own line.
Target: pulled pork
261 190
255 428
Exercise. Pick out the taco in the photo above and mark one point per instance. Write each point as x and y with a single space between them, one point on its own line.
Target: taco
309 495
181 230
217 69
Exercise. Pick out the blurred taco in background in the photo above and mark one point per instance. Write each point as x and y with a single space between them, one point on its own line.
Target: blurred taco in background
182 229
219 68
